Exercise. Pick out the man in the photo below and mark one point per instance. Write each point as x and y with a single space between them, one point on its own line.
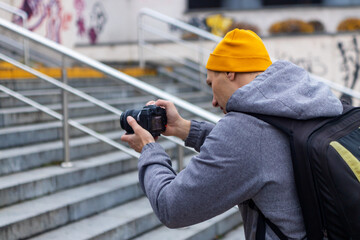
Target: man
241 157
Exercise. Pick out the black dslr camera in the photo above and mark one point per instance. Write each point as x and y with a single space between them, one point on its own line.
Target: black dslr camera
151 118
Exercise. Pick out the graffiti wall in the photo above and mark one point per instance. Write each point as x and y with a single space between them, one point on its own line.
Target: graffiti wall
114 22
50 18
334 57
58 20
89 22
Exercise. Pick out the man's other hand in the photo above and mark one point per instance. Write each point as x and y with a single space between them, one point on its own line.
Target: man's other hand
140 138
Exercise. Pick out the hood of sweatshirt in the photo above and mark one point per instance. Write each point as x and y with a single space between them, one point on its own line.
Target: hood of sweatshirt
286 90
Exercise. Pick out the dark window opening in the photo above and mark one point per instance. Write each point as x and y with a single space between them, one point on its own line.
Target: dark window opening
287 2
201 4
253 4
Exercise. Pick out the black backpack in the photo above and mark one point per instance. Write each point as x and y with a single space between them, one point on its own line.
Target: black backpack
325 155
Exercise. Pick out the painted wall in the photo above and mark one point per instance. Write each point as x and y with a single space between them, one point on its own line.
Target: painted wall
87 22
111 22
330 17
115 21
334 57
50 18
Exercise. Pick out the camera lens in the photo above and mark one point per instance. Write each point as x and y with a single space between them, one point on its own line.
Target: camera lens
123 122
156 123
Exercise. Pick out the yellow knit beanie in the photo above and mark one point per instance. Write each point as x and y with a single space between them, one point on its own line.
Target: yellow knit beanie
239 51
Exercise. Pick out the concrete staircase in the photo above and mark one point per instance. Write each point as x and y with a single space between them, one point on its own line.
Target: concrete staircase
99 198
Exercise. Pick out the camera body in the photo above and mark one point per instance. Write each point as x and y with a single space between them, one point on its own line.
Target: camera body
151 117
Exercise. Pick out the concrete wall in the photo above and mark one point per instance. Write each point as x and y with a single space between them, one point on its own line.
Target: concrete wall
330 17
53 19
334 57
112 22
118 19
74 22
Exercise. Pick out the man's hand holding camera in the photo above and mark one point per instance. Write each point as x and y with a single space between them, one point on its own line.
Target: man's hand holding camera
176 125
138 137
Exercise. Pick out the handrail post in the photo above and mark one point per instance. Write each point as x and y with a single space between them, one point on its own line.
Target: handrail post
201 59
66 148
141 42
180 158
26 44
24 16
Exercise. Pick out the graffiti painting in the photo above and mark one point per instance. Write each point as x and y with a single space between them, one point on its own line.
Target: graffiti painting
310 63
48 12
97 21
80 21
350 66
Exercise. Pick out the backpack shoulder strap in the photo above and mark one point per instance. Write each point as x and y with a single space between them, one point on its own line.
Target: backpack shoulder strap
261 224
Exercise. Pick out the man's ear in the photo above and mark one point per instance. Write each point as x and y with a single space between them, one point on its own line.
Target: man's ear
231 76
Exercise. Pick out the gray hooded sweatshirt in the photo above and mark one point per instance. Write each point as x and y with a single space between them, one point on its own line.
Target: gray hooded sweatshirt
241 157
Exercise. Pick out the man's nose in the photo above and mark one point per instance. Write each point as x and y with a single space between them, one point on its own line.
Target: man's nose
214 102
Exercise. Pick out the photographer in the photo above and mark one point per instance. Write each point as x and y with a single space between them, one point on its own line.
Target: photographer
241 157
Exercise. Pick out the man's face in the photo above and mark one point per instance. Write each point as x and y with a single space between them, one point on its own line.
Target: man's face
221 87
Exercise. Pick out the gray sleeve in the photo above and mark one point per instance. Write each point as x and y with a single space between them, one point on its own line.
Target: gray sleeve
198 133
223 175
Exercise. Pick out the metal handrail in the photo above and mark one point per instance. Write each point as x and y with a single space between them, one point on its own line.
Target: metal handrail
208 36
187 27
111 72
71 122
24 17
57 115
80 94
15 11
338 87
61 85
106 70
202 34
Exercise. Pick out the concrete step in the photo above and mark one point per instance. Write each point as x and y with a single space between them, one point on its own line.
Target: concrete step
208 230
52 96
190 73
15 136
130 220
174 75
39 215
36 83
188 80
50 131
32 156
124 222
235 234
27 115
34 183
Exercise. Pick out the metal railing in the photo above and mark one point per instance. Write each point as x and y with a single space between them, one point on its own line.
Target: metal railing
23 15
195 46
109 71
113 73
144 27
64 118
